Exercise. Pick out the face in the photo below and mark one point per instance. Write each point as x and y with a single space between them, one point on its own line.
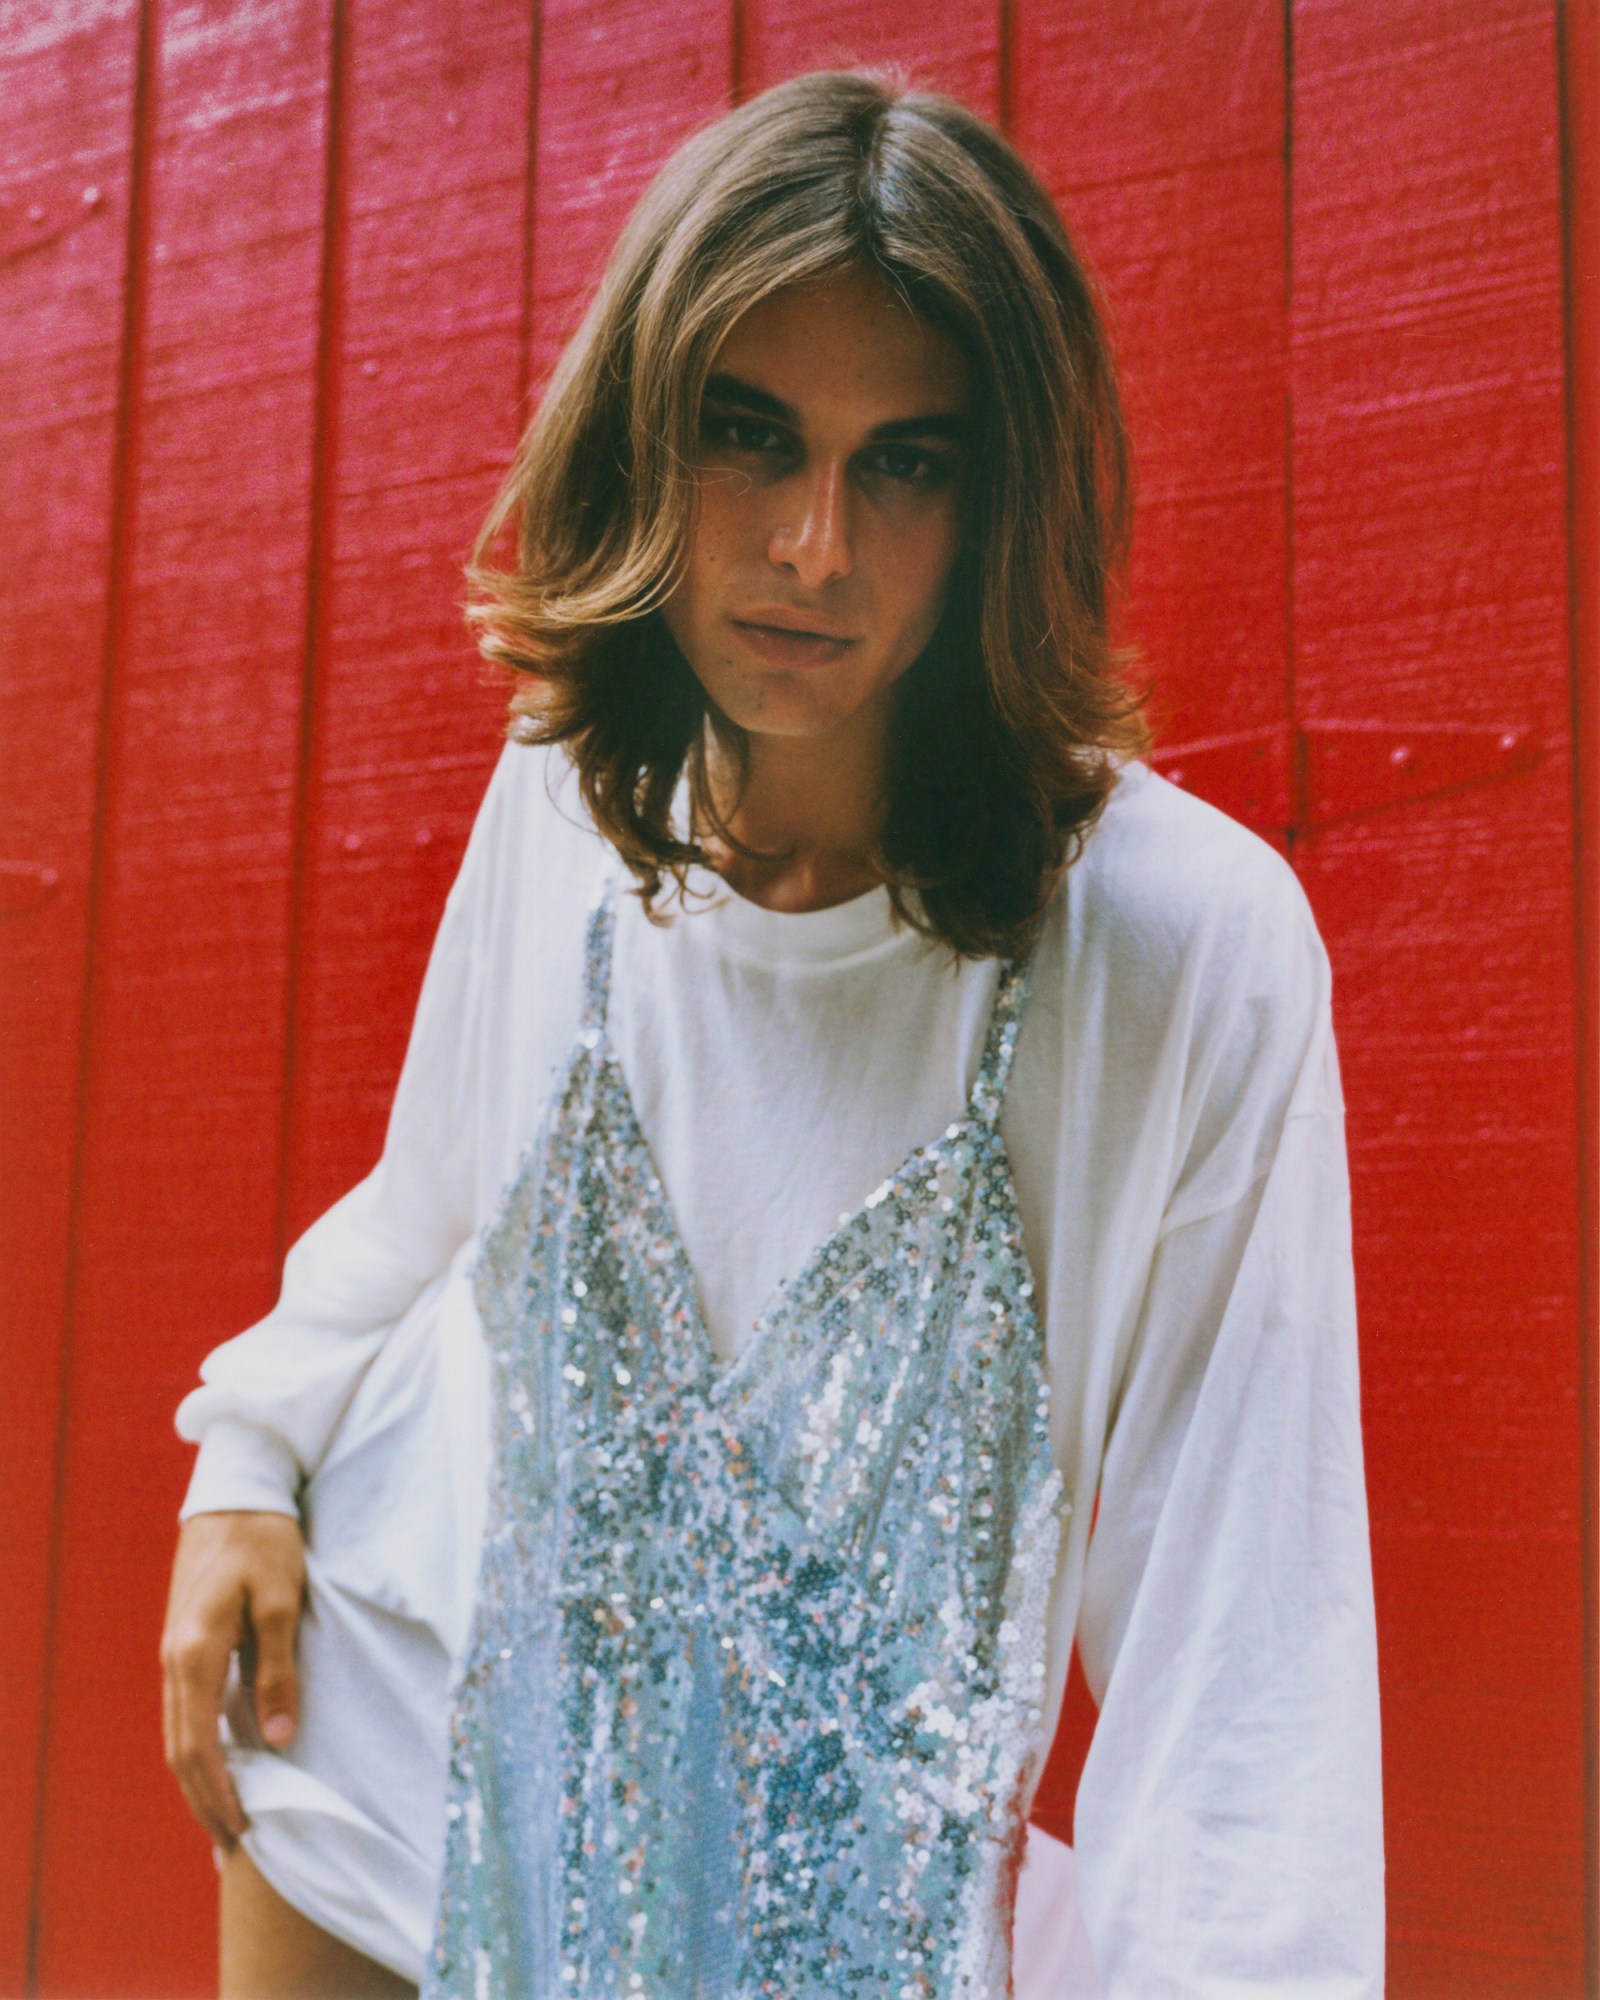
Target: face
832 462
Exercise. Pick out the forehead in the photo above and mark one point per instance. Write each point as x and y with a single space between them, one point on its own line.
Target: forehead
846 350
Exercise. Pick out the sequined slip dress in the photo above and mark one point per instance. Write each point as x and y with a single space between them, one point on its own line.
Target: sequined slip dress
756 1671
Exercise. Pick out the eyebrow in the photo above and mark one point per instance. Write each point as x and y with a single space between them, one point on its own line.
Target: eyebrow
743 395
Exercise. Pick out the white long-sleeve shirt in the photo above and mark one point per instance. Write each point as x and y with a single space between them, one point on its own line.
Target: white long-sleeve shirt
1174 1124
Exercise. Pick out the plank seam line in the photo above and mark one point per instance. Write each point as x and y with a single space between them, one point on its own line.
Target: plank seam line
330 331
1577 67
130 362
530 219
1291 712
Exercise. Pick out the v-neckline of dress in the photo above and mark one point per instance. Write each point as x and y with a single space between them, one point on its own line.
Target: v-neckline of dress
979 1117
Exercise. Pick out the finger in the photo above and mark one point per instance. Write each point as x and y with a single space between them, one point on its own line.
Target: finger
196 1795
169 1741
200 1666
172 1739
208 1786
231 1816
209 1793
274 1620
205 1810
172 1750
203 1800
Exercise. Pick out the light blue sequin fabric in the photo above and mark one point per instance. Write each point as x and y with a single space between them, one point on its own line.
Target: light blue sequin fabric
757 1664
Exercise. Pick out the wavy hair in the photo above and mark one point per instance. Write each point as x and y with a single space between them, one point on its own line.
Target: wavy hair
1008 727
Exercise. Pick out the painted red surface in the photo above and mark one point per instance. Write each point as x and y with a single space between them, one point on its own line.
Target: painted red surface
1580 78
175 1219
423 367
65 176
1430 586
260 392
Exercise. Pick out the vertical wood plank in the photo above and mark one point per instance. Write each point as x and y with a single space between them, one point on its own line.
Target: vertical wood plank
1161 132
66 166
175 1228
1161 129
948 45
1430 586
425 375
1580 151
619 89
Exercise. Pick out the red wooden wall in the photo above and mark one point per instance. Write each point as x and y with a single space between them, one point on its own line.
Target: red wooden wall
275 277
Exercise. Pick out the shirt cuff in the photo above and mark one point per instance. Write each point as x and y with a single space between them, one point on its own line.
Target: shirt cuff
242 1469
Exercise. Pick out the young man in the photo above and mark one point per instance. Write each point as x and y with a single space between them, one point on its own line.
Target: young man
943 1142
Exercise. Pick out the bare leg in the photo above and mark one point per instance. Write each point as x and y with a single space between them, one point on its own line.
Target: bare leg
271 1952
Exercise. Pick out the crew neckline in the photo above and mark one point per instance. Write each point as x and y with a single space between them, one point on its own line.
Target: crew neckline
861 925
716 910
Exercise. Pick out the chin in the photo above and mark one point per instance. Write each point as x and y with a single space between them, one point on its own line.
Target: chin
784 710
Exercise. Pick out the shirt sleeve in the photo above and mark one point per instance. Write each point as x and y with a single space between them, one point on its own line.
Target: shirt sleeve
1229 1818
272 1397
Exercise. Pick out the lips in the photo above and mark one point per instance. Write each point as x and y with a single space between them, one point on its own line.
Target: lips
784 618
791 639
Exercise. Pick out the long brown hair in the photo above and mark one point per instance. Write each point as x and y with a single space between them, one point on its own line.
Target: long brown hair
1008 726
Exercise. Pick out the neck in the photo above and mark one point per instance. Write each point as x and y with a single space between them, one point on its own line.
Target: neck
811 808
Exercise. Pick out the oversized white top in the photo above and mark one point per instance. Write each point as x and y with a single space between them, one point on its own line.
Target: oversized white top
1175 1128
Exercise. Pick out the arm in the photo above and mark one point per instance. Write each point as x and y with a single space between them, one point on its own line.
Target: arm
1229 1818
272 1397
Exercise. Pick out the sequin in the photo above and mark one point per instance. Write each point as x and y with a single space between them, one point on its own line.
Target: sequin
756 1672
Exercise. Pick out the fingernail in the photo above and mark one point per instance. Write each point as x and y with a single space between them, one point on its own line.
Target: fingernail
277 1729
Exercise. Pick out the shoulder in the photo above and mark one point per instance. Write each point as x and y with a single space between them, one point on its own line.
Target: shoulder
522 897
533 791
1187 968
533 835
1168 887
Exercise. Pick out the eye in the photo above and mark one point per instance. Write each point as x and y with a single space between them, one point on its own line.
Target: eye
911 465
748 435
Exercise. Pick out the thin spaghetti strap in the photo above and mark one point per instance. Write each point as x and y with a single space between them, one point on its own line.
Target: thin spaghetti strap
1000 1046
598 936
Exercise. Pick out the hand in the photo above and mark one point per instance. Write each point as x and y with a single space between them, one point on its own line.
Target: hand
237 1582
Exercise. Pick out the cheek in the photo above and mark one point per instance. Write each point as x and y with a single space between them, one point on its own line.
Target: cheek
918 570
694 596
693 610
727 521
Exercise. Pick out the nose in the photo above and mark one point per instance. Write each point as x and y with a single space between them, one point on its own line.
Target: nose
811 538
